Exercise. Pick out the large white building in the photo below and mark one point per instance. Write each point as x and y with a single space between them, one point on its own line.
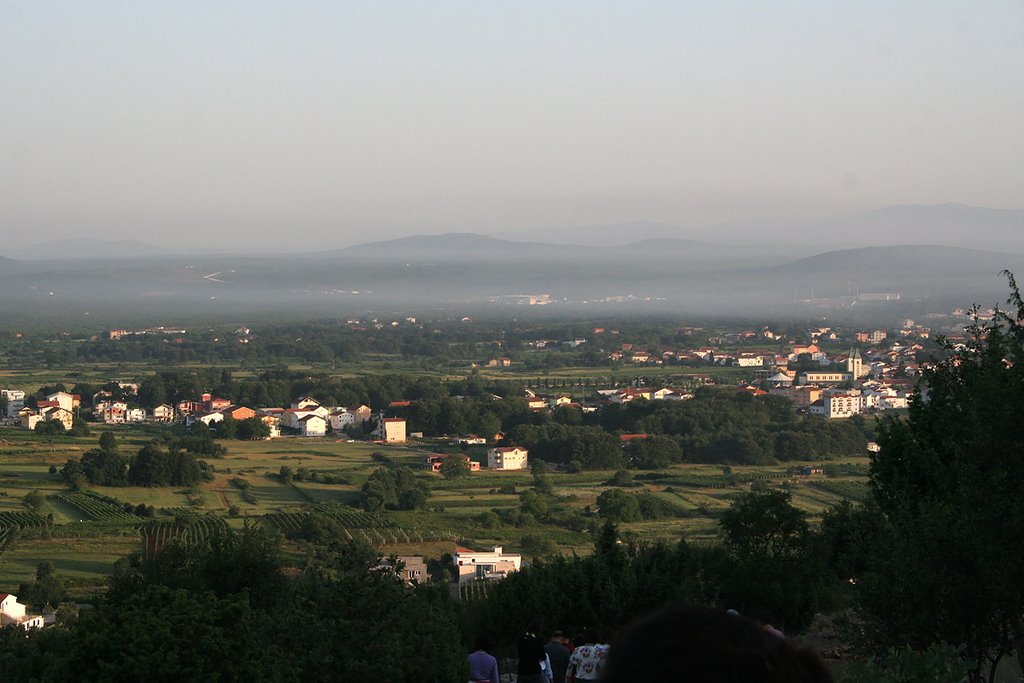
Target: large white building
825 377
491 564
15 401
507 458
839 404
390 429
312 425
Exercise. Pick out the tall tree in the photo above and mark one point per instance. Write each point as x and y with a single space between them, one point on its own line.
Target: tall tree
949 565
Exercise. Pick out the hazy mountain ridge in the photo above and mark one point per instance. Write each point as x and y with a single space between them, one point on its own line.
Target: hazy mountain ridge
680 274
906 257
954 224
457 246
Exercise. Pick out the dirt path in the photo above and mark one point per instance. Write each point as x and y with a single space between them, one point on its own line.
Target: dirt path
218 486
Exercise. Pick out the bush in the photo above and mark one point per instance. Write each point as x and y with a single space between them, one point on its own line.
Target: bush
940 663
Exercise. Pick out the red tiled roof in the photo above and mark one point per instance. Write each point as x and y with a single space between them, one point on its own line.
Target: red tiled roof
630 437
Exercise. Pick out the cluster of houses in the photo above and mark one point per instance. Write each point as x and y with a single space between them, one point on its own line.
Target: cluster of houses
848 386
59 406
306 416
757 358
469 565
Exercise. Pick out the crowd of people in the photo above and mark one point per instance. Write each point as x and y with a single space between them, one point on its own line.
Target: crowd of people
696 644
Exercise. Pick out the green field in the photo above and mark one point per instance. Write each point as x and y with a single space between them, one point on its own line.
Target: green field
83 538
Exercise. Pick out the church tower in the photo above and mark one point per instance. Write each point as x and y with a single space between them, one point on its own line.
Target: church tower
854 365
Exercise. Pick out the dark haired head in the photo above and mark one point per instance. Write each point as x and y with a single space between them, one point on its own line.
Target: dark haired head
482 643
589 636
707 645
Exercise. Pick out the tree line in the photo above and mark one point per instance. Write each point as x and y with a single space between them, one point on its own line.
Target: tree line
171 462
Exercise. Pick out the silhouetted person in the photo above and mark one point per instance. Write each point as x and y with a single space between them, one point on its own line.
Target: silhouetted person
558 653
702 645
531 654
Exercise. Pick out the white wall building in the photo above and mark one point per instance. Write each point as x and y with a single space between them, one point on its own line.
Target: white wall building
825 377
12 612
390 429
493 564
15 401
63 399
341 419
507 458
844 404
313 425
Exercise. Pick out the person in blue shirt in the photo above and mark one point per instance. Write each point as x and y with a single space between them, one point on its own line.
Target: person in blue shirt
483 668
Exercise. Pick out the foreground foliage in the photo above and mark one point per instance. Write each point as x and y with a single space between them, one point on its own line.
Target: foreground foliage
948 564
224 610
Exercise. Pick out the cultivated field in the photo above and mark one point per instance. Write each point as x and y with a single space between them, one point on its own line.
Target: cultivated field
84 533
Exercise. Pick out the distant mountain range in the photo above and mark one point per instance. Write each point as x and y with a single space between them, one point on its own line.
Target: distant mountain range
469 273
481 248
747 241
456 246
953 224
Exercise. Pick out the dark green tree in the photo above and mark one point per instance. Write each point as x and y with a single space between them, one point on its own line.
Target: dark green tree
949 565
108 441
455 466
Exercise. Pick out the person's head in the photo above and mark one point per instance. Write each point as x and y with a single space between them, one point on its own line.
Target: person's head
557 636
589 636
482 643
707 645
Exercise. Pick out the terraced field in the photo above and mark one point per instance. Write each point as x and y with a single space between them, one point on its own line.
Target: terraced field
458 511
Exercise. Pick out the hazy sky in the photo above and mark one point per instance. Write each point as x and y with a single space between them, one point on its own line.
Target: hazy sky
264 123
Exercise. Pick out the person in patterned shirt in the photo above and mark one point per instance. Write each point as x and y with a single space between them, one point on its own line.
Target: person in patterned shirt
586 660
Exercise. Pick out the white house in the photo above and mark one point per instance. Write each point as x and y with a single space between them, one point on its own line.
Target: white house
750 360
63 399
135 415
15 401
13 612
493 564
208 419
305 403
163 413
390 429
842 404
507 458
312 425
342 418
29 419
471 440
